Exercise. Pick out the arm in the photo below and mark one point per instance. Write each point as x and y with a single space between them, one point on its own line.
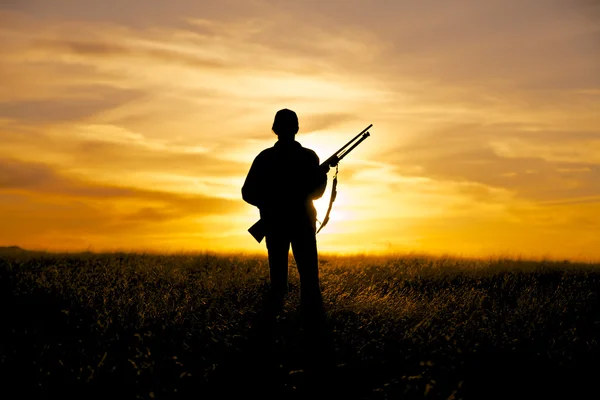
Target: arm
320 182
251 191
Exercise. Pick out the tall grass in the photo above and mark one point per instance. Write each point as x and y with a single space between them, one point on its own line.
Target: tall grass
159 326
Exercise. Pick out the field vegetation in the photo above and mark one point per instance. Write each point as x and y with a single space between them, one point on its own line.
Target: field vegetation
192 326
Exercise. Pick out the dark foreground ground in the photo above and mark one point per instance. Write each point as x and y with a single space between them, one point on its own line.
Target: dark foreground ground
193 326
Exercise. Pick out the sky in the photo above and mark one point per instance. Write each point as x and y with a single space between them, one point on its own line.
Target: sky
132 125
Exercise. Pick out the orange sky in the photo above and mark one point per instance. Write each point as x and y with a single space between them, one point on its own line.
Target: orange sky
131 125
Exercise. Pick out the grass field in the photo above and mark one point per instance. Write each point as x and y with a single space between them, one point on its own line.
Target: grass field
190 326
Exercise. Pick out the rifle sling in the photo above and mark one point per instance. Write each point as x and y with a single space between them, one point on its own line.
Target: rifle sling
331 199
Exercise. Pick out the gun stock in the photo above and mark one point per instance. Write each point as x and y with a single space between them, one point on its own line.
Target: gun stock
258 230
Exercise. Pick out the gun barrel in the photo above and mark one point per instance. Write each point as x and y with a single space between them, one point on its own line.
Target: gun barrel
335 158
366 135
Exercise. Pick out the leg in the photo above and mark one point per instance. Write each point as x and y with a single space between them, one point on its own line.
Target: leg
278 246
304 246
318 338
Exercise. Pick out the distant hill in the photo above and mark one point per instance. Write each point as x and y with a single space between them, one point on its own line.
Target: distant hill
14 249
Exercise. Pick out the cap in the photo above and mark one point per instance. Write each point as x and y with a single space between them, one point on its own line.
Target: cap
285 123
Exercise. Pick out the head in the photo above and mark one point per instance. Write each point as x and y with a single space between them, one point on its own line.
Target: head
285 124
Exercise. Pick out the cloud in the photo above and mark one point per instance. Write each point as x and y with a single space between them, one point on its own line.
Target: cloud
199 74
135 13
325 121
84 103
112 151
43 181
473 153
69 223
141 54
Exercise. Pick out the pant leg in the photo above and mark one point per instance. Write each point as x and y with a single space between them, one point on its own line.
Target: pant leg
278 246
304 247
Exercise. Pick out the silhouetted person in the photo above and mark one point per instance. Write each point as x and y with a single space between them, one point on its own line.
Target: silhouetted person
282 182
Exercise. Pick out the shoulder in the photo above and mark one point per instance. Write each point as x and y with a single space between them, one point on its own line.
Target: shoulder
310 154
264 155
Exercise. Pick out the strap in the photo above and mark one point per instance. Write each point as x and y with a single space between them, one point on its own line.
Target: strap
331 199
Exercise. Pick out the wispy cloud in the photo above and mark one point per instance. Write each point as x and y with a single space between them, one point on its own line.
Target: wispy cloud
43 180
38 203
